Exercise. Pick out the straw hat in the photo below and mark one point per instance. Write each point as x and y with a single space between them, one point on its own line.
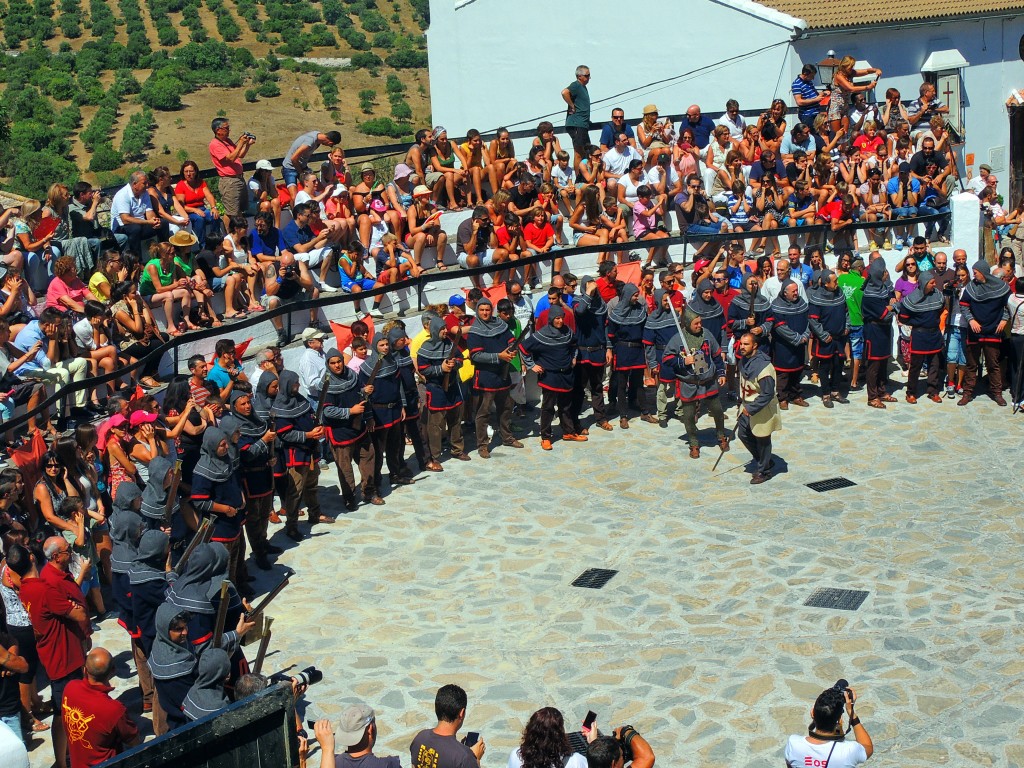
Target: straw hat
182 239
421 190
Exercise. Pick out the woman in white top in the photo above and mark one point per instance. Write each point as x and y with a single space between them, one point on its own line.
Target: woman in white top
545 744
236 247
630 182
825 742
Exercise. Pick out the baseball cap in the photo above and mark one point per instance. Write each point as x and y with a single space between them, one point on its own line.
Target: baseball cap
352 724
313 333
141 417
904 168
699 265
117 421
456 300
339 190
264 165
378 206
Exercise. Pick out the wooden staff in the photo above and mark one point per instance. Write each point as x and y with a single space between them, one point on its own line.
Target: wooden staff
222 614
202 535
266 600
264 642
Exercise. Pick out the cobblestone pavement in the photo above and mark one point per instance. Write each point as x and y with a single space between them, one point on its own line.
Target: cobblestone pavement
701 641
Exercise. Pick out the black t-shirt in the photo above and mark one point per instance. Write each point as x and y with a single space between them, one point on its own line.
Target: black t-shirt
918 161
523 200
465 234
10 698
792 172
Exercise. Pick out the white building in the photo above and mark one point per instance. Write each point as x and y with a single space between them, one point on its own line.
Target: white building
495 63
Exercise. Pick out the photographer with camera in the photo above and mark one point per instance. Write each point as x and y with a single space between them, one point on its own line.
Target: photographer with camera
227 157
825 742
624 746
286 280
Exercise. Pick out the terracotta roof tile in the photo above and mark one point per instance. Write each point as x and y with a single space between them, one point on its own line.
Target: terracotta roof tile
822 14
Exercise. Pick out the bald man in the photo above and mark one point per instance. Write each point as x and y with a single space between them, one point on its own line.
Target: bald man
98 727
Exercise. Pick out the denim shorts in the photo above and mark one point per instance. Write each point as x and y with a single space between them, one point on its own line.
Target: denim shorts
856 342
290 175
347 283
956 354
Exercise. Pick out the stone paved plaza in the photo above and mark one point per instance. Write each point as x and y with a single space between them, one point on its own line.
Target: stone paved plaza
701 641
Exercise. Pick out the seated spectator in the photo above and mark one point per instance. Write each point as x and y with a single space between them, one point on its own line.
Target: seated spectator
655 136
400 191
394 261
164 283
701 125
136 331
65 242
19 391
617 159
903 192
83 210
442 160
479 164
478 243
54 360
36 251
424 229
768 164
697 215
869 141
110 269
510 237
95 342
875 207
922 109
355 279
564 181
733 120
66 290
132 214
718 147
799 138
263 194
685 154
17 300
202 294
772 125
167 208
742 216
725 177
333 170
309 250
501 151
286 280
264 239
749 146
235 247
646 211
196 199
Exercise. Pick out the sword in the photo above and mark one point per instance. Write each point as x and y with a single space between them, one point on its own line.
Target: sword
700 364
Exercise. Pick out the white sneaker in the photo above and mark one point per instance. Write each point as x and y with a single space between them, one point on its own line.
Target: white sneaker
328 288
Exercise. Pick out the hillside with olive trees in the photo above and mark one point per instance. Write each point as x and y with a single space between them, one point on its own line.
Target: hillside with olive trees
92 89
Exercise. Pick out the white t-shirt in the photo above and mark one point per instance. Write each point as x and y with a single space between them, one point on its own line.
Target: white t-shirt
618 162
83 334
654 175
302 196
561 178
576 761
736 127
845 754
977 184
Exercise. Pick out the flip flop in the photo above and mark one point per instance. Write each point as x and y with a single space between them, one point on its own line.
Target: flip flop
38 726
236 316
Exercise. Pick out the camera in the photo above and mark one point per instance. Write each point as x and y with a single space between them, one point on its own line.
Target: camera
307 677
842 686
625 738
289 272
250 136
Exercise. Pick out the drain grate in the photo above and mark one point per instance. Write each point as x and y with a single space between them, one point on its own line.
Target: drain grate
832 484
836 599
577 742
594 578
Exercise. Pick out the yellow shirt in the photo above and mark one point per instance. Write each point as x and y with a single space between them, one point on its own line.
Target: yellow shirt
98 279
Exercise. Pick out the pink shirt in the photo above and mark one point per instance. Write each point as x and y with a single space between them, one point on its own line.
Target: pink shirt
219 151
76 291
642 224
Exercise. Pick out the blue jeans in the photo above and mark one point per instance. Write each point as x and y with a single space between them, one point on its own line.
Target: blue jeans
704 229
14 723
905 212
199 222
934 227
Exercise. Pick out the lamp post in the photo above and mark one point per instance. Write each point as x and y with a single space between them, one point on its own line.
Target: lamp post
827 69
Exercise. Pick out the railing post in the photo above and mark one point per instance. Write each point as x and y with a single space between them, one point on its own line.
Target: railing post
175 360
289 325
419 294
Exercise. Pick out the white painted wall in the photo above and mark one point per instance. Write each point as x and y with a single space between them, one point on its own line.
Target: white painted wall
495 63
995 68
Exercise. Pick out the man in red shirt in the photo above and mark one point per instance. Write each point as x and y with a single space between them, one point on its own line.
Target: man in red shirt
607 281
98 727
56 608
227 158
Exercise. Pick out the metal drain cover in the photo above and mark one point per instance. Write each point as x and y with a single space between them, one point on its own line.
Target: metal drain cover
832 484
836 599
594 578
577 742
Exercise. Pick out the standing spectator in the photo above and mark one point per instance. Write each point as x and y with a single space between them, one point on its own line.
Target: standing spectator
922 109
98 726
312 364
577 115
12 666
227 159
192 193
357 730
806 96
19 563
545 744
56 606
297 159
132 214
439 748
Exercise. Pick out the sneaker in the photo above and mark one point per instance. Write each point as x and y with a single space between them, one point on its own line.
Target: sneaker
900 242
950 391
282 338
328 288
960 390
887 245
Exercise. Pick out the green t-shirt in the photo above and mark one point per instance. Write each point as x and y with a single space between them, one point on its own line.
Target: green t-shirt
852 286
581 98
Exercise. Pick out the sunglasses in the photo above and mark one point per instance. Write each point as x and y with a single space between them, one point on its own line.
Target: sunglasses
53 465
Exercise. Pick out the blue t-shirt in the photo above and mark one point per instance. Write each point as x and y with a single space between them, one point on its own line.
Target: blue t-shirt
265 247
893 186
701 131
805 90
293 235
609 131
26 337
218 375
543 303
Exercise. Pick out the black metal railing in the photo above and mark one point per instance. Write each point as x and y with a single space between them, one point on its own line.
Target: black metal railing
419 285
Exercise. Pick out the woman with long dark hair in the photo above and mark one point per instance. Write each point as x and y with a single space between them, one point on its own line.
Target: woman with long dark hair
544 743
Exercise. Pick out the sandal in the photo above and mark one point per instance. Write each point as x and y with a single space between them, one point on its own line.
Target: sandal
876 404
38 726
236 316
440 265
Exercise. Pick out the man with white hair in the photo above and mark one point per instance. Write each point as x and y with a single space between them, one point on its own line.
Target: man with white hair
132 214
773 285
